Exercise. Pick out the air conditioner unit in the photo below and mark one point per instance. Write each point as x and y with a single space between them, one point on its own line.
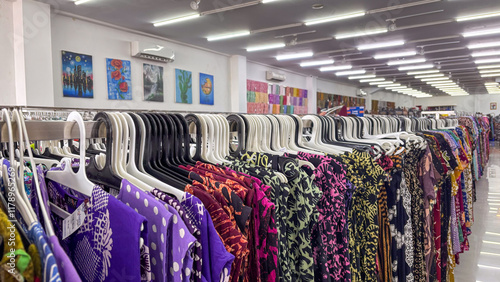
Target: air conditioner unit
151 51
361 93
274 76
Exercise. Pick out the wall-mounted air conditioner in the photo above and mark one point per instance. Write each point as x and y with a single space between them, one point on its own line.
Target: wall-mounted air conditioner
361 93
274 76
151 51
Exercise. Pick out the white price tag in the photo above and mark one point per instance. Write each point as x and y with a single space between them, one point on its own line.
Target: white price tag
74 221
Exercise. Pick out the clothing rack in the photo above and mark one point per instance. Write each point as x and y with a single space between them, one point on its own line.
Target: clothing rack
41 130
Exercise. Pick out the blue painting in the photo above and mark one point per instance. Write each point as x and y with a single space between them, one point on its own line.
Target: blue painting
119 79
77 75
183 89
206 89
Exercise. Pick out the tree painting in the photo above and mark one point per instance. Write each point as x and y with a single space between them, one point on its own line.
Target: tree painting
183 89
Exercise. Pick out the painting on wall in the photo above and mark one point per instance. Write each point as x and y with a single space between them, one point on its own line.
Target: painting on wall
206 89
493 106
119 79
183 89
153 82
77 75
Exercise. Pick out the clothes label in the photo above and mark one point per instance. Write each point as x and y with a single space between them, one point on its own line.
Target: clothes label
75 220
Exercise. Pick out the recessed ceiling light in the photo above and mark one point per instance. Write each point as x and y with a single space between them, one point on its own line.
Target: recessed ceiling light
336 18
228 35
486 53
481 32
395 55
372 80
362 76
484 45
478 16
487 61
317 6
429 75
422 72
336 68
380 45
266 47
406 62
343 73
358 34
176 20
316 63
416 67
294 56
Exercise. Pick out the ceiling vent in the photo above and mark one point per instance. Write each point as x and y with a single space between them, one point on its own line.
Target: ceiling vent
152 52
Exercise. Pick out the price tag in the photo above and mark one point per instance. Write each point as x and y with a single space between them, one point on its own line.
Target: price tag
75 220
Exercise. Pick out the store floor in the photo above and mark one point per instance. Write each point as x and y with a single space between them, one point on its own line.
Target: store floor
482 261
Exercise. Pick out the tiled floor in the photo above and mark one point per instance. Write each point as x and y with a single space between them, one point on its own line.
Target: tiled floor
482 261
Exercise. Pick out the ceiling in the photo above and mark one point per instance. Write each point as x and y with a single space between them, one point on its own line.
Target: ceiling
428 27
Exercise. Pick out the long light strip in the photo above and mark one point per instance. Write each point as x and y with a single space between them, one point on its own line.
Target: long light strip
228 35
435 79
490 254
491 74
381 82
336 18
396 87
372 80
487 266
406 62
429 75
391 85
481 32
489 67
416 67
358 34
478 16
343 73
316 63
492 233
443 84
489 71
395 55
381 45
294 56
422 72
79 2
486 53
266 47
484 45
336 68
487 61
362 76
176 20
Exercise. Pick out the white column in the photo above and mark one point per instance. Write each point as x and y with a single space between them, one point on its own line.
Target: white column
238 83
312 88
7 65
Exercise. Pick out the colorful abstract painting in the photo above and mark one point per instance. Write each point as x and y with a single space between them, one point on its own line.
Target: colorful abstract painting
153 82
77 75
183 89
206 89
119 79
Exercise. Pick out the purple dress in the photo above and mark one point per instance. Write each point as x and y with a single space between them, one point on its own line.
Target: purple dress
216 260
158 218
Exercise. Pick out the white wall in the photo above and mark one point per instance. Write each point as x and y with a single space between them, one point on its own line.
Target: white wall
105 42
7 69
469 104
257 71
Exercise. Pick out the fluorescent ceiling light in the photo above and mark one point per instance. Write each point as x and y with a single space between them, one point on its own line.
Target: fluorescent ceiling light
486 53
487 266
342 73
484 45
497 74
429 75
435 79
176 20
268 1
228 35
317 63
362 76
391 85
266 47
336 68
481 32
441 83
294 56
395 55
381 82
372 80
478 16
489 67
422 72
490 254
396 87
336 18
489 71
358 34
416 67
380 45
406 62
80 2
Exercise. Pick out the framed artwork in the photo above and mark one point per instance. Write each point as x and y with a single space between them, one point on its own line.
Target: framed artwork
183 89
77 75
206 89
493 106
153 82
119 79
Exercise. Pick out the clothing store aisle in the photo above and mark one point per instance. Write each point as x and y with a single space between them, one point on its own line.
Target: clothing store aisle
482 262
